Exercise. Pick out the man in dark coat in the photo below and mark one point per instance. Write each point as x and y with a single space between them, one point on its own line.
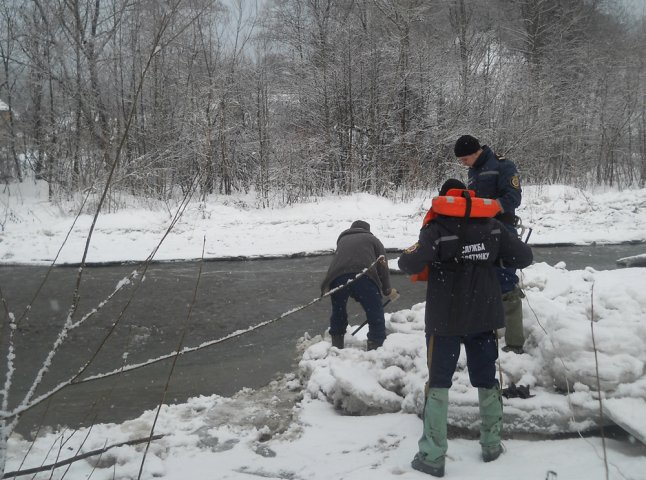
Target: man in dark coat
356 249
463 306
495 177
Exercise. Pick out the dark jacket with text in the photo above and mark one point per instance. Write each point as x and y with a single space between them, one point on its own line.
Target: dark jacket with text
463 294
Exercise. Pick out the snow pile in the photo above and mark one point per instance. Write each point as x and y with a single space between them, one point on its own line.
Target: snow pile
566 301
559 356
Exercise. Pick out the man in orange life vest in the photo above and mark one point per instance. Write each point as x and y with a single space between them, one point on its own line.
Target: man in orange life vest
463 306
493 176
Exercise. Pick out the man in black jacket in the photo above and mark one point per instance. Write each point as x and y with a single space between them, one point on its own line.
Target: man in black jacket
494 176
356 250
463 306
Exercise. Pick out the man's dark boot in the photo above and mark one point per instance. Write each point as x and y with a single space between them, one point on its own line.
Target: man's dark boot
373 345
421 466
337 341
516 350
491 454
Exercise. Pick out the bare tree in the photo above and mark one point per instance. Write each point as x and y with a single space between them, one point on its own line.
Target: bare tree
8 56
330 96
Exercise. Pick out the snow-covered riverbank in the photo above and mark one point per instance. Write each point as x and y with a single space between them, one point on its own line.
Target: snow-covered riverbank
358 415
33 230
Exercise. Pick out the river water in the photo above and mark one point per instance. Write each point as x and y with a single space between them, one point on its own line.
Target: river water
231 295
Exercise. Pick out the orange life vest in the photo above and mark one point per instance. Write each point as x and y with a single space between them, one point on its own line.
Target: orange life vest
456 204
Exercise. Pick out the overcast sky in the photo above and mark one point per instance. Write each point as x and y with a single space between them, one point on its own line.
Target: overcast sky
637 6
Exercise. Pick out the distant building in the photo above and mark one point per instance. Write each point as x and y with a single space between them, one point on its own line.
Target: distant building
4 112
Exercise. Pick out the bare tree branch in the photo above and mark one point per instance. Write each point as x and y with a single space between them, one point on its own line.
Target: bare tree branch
83 456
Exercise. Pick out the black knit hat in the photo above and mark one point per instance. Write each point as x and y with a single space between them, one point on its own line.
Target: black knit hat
360 224
451 183
466 145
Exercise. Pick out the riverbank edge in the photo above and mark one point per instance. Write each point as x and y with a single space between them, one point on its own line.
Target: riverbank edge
244 258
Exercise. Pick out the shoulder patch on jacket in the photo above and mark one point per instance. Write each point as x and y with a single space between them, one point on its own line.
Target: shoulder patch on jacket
515 181
412 248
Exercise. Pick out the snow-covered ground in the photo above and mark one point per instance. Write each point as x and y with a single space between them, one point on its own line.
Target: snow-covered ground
356 417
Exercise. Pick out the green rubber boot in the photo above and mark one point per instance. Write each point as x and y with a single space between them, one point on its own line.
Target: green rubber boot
513 305
490 402
433 444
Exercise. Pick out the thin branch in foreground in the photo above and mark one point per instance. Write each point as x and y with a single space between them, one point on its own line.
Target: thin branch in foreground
23 408
172 368
87 435
232 335
176 354
146 264
92 409
7 429
569 392
11 355
596 366
33 442
76 297
27 308
26 405
67 461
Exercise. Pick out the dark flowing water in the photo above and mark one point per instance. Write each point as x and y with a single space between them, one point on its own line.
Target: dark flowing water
232 295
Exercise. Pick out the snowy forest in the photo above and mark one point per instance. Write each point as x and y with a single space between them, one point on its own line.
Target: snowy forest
293 98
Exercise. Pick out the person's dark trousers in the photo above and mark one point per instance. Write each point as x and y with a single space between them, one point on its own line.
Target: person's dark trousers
366 292
482 352
507 277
